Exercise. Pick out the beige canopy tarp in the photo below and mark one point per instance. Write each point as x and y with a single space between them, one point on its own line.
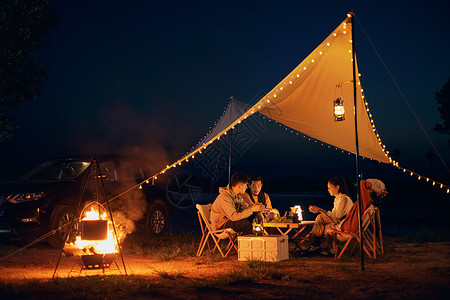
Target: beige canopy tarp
304 101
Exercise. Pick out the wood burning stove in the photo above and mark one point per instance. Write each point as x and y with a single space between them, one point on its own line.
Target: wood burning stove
97 261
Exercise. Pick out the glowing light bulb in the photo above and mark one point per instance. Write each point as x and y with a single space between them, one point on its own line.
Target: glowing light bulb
334 34
140 187
328 44
320 52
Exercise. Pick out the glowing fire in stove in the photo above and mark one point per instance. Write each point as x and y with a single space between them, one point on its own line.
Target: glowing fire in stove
109 245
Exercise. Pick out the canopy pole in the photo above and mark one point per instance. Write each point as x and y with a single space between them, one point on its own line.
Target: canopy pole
229 157
358 177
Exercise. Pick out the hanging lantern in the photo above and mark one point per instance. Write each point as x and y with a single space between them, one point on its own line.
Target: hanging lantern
339 111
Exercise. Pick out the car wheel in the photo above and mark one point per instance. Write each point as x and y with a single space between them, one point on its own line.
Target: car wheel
156 219
61 219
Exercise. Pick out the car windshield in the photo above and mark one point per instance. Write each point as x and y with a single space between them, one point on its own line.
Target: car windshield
57 170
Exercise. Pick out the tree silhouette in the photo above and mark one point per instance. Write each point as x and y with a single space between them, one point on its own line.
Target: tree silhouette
23 26
443 100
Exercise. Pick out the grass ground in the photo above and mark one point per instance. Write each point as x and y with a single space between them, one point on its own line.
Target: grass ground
168 268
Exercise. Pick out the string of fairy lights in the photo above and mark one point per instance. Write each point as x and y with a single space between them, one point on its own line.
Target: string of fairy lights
270 100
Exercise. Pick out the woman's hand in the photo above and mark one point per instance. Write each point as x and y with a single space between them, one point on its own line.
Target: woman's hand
314 209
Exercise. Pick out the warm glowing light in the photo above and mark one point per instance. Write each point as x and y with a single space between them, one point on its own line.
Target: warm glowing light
298 210
109 245
339 111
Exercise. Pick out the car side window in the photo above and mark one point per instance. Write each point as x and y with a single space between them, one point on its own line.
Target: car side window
130 171
108 171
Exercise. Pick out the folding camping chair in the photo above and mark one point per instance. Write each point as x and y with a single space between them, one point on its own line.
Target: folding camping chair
204 212
352 239
371 227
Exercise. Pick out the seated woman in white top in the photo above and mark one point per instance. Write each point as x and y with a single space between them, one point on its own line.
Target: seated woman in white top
326 219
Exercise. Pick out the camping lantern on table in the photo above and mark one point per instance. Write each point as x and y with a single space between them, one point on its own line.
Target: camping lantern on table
339 111
258 229
296 214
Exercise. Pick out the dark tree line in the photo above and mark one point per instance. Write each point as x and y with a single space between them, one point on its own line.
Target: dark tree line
24 26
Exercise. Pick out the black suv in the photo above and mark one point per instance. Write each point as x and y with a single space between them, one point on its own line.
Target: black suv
46 197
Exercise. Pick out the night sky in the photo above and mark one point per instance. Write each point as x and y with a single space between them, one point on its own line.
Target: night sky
151 77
